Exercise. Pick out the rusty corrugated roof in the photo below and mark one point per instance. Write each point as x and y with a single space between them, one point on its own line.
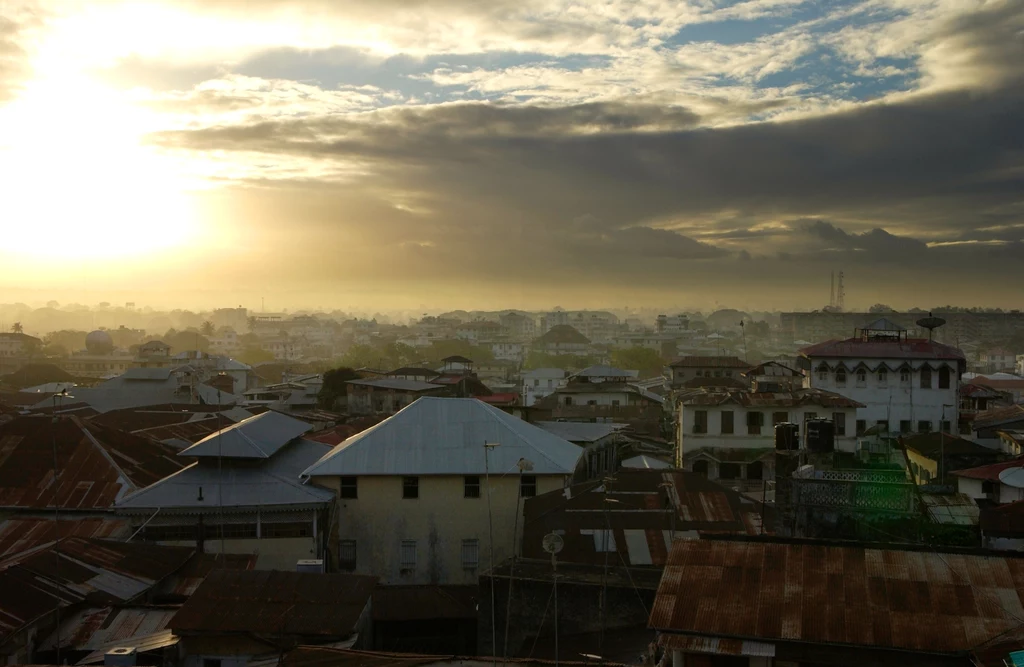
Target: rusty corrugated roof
92 628
643 510
275 603
324 656
829 594
19 536
96 572
96 464
183 583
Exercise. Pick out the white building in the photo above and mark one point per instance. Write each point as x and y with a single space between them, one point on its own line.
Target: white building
420 495
905 384
225 341
18 344
540 382
506 350
736 419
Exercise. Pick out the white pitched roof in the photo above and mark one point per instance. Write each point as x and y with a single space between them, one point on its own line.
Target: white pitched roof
446 436
258 437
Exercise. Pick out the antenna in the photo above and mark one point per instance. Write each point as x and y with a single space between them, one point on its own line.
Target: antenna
832 292
931 323
553 544
841 294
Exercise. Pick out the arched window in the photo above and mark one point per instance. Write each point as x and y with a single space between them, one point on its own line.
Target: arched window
926 377
862 377
883 376
840 377
944 377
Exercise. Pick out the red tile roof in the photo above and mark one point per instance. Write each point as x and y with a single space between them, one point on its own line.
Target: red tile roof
988 473
856 348
842 595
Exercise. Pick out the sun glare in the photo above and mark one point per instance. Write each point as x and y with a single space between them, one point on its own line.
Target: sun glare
78 181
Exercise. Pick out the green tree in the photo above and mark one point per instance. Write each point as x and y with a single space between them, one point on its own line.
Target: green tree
17 328
642 359
254 355
334 387
207 328
68 339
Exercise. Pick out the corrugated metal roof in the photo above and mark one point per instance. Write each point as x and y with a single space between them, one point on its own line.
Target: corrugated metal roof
96 465
580 432
21 536
446 436
716 646
847 595
88 571
92 628
326 656
120 393
258 437
184 582
275 603
147 373
642 505
397 384
190 432
646 462
141 644
998 416
274 483
988 472
601 371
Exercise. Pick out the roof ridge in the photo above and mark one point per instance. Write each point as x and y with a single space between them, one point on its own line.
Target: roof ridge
103 451
529 443
139 492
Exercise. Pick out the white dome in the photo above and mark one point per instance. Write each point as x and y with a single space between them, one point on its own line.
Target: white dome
99 342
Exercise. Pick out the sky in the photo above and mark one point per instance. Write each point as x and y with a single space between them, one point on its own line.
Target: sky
512 153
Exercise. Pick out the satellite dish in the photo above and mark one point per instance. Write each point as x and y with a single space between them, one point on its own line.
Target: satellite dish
930 323
1011 477
553 542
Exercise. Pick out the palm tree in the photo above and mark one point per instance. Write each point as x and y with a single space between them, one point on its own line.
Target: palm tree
207 328
17 328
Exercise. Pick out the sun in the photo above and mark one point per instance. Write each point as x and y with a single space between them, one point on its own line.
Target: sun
79 181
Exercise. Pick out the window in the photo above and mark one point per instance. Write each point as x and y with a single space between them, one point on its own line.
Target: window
700 421
841 377
755 470
292 529
810 415
169 533
471 486
728 374
924 427
604 541
862 378
410 487
905 426
727 422
988 487
754 422
591 402
728 470
349 487
926 377
718 374
944 377
528 486
883 376
883 425
862 426
946 427
823 375
347 555
779 418
408 556
616 402
701 468
237 531
470 554
904 376
568 400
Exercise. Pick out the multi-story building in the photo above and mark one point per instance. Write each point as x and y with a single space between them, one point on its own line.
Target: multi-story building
422 493
518 325
18 344
904 384
961 326
540 382
691 367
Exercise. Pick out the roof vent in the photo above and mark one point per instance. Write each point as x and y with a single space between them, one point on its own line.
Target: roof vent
122 656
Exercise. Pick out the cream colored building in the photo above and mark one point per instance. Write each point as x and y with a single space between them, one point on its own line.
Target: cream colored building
421 493
243 494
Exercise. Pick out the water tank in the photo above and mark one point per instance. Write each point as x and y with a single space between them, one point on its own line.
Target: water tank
820 435
122 656
787 436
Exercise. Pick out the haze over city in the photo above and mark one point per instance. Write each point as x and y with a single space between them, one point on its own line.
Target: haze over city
459 154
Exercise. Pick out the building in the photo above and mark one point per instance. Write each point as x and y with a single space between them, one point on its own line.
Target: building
689 368
155 354
988 484
961 326
541 382
998 360
931 457
19 345
906 385
506 350
672 323
236 615
976 398
99 359
612 399
387 395
294 394
779 602
734 419
242 495
563 339
987 425
140 387
520 326
420 495
1006 383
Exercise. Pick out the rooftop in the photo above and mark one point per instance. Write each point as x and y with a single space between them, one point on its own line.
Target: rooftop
710 362
424 603
275 603
934 444
446 436
906 348
580 432
562 334
258 437
780 399
990 472
605 372
21 536
397 384
840 595
96 465
998 417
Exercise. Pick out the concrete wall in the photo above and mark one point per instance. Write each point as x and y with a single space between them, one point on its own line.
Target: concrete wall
970 487
279 553
380 519
740 439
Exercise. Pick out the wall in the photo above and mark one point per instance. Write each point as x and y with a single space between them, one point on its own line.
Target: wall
970 487
920 463
279 553
740 439
895 400
379 519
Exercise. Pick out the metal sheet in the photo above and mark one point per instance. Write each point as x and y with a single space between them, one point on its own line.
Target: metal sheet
258 437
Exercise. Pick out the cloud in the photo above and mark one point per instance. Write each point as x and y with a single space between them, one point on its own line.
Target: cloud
18 21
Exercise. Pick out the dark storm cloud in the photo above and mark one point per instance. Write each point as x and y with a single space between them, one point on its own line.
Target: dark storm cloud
877 243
